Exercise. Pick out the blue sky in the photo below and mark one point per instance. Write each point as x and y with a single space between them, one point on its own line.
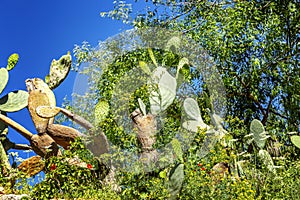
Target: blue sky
42 30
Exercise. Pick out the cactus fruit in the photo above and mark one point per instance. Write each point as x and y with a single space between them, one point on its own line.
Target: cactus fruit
59 70
296 140
176 177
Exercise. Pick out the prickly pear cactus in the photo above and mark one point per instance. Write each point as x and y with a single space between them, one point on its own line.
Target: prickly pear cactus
176 178
59 70
11 102
101 111
192 111
257 133
296 140
177 149
164 95
267 160
15 100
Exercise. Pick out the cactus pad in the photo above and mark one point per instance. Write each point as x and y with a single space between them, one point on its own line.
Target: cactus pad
3 78
259 134
164 95
12 61
36 99
192 111
101 111
267 160
296 140
59 70
14 101
47 111
176 178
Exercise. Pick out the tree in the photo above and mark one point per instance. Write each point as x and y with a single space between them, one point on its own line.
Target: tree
255 45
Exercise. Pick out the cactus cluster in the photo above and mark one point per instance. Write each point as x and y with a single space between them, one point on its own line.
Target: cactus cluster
16 100
11 102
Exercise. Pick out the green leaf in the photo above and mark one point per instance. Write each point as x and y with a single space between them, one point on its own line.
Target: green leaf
14 101
142 106
12 61
296 140
3 78
163 174
151 54
144 67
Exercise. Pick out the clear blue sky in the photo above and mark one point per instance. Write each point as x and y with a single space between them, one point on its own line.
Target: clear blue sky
42 30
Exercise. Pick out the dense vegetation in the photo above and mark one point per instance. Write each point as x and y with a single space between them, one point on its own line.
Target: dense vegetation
255 48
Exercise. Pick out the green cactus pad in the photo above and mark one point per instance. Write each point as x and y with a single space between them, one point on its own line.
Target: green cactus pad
12 61
267 160
296 140
14 101
176 178
59 71
259 134
177 149
3 78
163 96
101 111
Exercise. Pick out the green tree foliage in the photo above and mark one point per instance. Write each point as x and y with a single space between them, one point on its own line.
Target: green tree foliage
255 45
